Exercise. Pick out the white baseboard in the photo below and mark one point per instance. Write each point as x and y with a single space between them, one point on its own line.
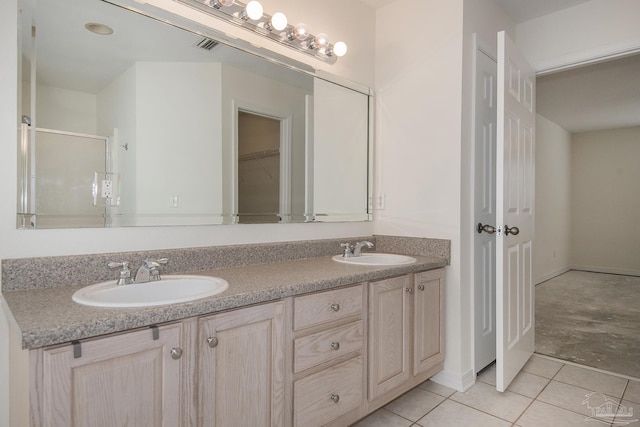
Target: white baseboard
609 270
455 380
550 275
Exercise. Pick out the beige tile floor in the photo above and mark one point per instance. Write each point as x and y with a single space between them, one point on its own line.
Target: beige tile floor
547 393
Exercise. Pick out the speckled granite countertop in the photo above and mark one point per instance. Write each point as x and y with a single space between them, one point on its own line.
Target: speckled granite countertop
48 316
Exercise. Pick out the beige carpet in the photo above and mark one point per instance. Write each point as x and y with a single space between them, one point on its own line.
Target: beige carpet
592 319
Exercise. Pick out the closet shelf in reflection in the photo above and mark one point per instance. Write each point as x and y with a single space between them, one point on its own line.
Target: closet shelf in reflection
259 155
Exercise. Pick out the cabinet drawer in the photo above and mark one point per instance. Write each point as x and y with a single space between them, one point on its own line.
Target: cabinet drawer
326 395
327 306
314 349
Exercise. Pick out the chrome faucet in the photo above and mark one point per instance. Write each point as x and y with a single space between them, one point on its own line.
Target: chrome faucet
149 271
357 250
354 251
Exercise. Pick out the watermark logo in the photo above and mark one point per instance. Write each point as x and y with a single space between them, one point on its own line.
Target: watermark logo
607 410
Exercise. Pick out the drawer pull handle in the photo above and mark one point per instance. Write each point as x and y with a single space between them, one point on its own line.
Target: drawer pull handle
335 307
335 345
421 287
335 398
176 353
212 341
409 290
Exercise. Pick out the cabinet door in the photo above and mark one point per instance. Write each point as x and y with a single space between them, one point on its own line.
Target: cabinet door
123 380
428 318
241 367
389 334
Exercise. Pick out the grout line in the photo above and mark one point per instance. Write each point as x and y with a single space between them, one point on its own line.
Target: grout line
577 365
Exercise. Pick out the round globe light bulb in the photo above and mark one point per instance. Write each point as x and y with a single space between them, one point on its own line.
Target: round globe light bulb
254 10
279 21
301 32
340 48
321 40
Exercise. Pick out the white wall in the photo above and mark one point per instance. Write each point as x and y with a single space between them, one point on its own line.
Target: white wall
249 91
186 141
418 152
605 201
67 110
597 28
116 115
8 172
551 250
339 157
357 66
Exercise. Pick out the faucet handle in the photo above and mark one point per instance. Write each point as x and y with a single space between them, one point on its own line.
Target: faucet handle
124 277
348 250
152 265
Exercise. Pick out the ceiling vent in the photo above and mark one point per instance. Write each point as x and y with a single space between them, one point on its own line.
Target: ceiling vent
207 44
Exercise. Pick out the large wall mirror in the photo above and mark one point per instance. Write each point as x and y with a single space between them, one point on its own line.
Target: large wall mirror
159 123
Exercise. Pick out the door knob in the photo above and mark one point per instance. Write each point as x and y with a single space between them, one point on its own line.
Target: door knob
176 353
512 230
489 229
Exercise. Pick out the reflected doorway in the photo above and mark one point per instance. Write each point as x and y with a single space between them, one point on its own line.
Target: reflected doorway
258 168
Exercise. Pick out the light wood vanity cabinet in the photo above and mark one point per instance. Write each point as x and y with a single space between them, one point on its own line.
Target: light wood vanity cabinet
129 379
428 321
329 363
406 333
323 359
241 367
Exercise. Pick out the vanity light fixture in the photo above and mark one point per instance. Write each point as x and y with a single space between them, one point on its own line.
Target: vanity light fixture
251 16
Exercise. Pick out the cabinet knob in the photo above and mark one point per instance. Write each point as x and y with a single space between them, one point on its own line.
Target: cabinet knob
212 341
409 290
335 345
176 353
335 307
335 398
421 287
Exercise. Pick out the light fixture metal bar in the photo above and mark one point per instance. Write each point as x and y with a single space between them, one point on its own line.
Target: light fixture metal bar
232 14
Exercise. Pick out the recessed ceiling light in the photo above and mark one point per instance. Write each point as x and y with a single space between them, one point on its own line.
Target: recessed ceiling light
103 30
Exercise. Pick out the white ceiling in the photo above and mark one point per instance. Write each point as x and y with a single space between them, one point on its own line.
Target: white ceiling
525 10
518 10
600 96
594 97
70 57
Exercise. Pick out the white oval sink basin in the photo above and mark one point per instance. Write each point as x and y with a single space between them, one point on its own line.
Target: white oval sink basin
372 258
168 290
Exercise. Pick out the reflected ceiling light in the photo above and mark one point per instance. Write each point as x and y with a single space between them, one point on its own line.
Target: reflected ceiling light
102 29
251 16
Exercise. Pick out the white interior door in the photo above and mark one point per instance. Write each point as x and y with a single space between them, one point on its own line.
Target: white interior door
484 241
515 168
